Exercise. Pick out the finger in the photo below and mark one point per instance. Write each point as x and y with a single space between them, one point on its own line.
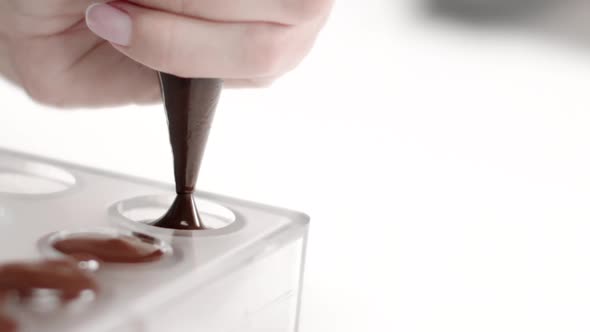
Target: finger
87 71
35 9
289 12
199 48
248 83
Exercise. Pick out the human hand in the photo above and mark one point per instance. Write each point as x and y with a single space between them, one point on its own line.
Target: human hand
72 53
62 275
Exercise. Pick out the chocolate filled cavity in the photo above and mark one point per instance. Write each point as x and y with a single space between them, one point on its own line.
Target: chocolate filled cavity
109 249
190 106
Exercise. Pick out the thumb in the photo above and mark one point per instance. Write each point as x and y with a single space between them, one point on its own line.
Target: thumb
190 46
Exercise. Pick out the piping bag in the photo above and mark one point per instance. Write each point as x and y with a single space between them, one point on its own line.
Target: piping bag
190 105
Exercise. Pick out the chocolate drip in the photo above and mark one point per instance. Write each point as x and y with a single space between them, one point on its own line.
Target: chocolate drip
190 106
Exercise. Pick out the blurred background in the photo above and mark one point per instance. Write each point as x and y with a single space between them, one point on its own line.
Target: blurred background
440 147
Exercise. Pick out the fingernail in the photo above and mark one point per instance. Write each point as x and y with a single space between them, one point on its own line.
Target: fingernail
109 23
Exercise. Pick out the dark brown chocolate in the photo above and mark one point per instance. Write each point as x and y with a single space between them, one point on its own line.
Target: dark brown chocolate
182 214
190 106
121 249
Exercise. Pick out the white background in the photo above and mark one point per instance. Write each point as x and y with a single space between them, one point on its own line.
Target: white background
446 170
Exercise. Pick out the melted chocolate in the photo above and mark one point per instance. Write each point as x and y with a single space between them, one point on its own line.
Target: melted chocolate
190 105
121 249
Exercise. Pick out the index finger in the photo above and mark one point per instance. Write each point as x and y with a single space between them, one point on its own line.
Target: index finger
287 12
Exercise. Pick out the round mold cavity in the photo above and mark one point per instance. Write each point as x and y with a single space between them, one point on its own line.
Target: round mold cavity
23 177
46 246
139 212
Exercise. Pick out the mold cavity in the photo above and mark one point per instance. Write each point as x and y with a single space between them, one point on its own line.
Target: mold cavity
93 247
23 177
147 209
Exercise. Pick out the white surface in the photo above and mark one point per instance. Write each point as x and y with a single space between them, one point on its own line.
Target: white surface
445 170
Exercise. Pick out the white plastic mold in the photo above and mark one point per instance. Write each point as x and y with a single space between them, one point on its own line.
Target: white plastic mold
243 275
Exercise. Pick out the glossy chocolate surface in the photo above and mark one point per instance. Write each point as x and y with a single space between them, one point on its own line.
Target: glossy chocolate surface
108 249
